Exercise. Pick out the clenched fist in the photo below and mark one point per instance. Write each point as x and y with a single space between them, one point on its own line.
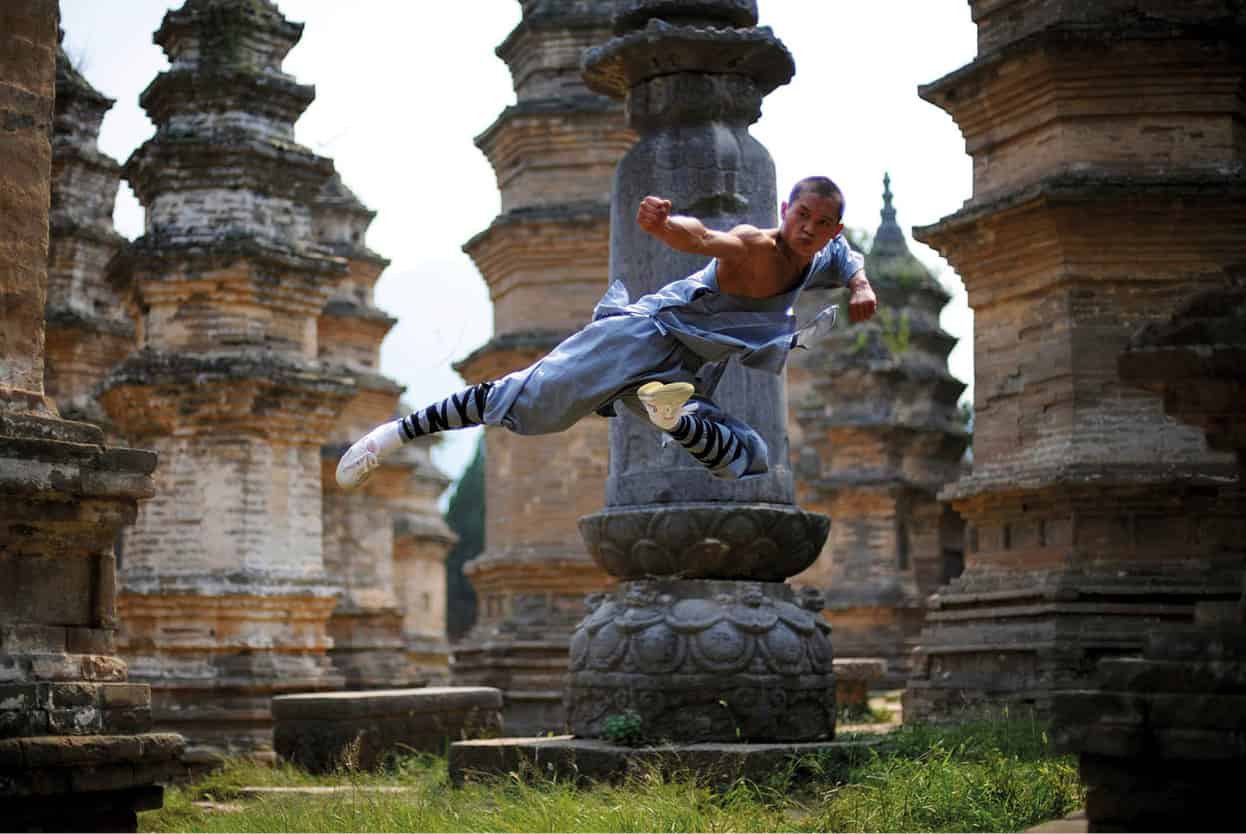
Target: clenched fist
653 214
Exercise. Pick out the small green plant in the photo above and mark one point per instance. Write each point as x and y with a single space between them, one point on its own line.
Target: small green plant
895 330
623 728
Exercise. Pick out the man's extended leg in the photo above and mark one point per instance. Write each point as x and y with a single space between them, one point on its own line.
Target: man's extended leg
725 446
458 411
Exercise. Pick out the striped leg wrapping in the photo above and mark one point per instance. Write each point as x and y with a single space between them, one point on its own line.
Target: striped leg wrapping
714 445
466 408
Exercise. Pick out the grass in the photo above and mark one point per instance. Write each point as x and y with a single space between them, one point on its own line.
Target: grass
986 776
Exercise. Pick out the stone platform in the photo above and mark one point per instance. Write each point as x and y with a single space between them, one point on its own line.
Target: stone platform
567 758
324 731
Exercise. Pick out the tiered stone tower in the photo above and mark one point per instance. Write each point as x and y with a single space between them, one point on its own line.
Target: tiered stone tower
881 421
1108 187
225 598
702 640
366 627
88 331
545 261
73 754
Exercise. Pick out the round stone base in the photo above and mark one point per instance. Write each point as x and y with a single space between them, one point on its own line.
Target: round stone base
702 660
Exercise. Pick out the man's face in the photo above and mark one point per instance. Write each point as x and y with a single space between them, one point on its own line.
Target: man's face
809 223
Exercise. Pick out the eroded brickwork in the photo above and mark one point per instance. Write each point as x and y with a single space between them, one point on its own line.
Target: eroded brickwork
73 754
545 259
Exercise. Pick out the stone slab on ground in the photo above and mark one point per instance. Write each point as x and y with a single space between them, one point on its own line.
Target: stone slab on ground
326 730
592 760
1074 823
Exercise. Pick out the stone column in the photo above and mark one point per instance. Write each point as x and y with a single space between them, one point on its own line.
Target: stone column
717 647
545 259
883 435
366 627
72 752
225 599
88 330
1108 188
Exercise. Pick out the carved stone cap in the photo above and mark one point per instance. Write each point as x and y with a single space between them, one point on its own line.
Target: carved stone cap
662 49
705 541
633 14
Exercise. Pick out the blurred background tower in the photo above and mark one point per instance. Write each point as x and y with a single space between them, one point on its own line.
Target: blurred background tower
545 259
88 329
1109 187
225 599
361 527
880 436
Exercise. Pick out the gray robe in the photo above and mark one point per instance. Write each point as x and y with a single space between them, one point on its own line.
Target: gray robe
686 331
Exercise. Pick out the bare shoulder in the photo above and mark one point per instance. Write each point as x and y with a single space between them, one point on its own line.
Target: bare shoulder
752 236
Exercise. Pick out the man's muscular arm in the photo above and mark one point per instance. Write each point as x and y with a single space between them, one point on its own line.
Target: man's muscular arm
688 234
861 302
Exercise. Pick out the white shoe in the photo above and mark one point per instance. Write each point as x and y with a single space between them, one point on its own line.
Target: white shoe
359 461
664 402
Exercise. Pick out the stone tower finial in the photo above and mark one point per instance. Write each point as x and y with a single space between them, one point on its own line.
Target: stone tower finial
889 239
251 35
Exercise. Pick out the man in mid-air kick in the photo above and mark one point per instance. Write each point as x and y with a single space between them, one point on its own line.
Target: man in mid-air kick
662 354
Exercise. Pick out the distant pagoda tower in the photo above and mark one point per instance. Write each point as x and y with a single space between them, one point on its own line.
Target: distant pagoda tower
879 413
422 541
224 596
88 329
366 627
545 259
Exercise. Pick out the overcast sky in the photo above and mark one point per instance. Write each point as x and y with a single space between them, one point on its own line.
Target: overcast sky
402 88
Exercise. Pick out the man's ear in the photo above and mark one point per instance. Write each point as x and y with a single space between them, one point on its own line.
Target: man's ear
782 208
838 229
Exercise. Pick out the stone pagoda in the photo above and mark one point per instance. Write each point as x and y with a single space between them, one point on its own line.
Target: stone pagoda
88 331
73 752
880 419
1108 188
369 649
224 595
422 541
545 259
702 640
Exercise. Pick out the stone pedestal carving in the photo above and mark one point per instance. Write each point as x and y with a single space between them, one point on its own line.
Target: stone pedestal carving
1094 518
704 660
225 599
544 259
881 435
673 650
73 751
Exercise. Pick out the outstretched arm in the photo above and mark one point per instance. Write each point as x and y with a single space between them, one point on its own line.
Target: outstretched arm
862 301
687 234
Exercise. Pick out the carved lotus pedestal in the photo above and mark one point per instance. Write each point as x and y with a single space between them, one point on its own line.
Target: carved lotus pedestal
704 660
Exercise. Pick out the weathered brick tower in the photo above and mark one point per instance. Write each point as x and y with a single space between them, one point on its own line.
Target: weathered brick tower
1108 188
224 598
422 541
73 754
366 627
879 416
88 331
545 259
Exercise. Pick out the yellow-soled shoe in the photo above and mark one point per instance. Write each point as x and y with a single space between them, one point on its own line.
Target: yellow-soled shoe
664 401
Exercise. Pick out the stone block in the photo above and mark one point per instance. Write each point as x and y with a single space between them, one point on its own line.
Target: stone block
322 732
76 721
29 637
89 641
69 695
115 695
